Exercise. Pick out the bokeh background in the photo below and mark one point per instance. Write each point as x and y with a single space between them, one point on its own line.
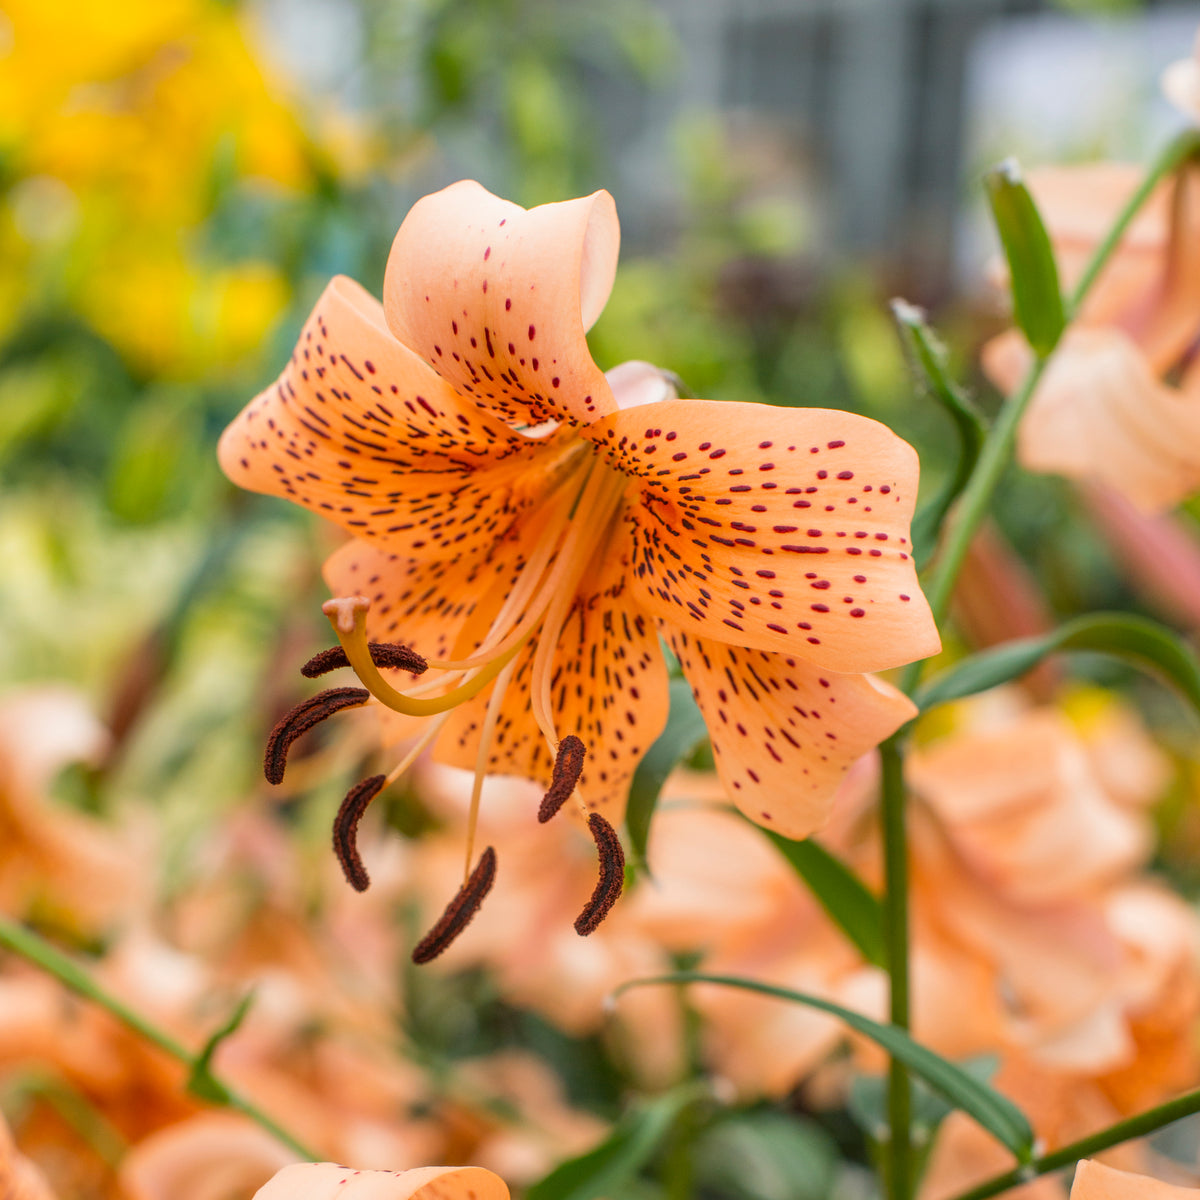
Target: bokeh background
179 179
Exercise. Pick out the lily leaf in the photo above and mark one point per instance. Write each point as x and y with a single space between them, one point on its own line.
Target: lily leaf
927 357
684 731
1037 298
608 1168
996 1113
201 1081
847 900
1142 642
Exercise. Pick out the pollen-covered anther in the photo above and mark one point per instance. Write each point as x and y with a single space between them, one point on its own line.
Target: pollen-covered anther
568 766
612 876
383 654
460 910
301 719
345 830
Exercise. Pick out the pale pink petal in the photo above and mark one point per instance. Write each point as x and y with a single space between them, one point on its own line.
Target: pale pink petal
498 299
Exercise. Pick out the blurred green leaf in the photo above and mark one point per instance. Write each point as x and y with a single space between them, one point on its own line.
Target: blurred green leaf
201 1081
847 900
605 1170
766 1155
996 1113
927 357
1142 642
683 733
1037 298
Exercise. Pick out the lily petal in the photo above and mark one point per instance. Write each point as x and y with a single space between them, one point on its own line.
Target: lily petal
1095 1181
329 1181
610 688
784 732
360 430
1099 413
498 299
782 529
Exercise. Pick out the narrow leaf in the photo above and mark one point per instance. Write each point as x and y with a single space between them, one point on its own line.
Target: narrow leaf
996 1113
927 357
847 900
1037 298
1145 643
201 1082
684 732
606 1169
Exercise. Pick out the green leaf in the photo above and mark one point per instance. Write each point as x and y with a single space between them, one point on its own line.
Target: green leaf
996 1113
683 733
201 1082
1037 298
847 900
605 1170
766 1155
927 358
1142 642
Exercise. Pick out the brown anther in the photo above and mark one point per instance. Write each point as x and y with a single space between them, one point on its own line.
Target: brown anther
612 876
460 910
345 830
383 655
568 766
301 719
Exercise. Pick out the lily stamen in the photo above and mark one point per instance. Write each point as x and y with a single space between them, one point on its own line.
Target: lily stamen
299 720
345 830
459 911
390 655
568 766
612 876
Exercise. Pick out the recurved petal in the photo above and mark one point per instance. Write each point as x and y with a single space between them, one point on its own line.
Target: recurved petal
358 429
498 299
1099 413
329 1181
784 529
784 732
609 688
1095 1181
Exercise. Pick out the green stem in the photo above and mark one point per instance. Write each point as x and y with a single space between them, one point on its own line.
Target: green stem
1123 1131
895 932
993 459
42 954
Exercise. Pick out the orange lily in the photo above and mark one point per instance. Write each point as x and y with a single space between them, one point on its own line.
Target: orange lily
531 526
1095 1181
328 1181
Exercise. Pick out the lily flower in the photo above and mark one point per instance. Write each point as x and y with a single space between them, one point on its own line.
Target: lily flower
530 527
1095 1181
1119 402
329 1181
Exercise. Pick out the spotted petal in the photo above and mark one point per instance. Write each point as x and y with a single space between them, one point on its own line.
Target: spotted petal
609 688
329 1181
784 732
498 299
784 529
360 430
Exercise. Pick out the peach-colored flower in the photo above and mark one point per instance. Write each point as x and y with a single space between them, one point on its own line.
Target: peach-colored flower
518 514
1103 410
1095 1181
19 1178
73 865
328 1181
211 1156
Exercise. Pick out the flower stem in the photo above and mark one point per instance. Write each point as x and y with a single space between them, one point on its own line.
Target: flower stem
895 931
36 950
1164 1114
